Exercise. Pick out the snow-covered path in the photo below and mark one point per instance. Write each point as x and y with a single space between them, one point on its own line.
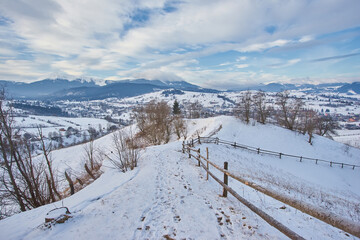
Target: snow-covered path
164 198
184 206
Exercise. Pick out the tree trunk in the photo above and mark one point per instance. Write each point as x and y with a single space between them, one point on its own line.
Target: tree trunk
71 184
89 172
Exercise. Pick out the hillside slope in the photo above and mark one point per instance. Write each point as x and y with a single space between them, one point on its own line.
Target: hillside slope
167 196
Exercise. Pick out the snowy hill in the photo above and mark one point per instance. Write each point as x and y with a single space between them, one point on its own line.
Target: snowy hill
167 196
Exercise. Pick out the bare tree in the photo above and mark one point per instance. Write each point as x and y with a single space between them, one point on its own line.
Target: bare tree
195 109
24 181
125 154
308 119
93 133
180 126
325 125
154 122
46 151
243 107
289 110
262 111
90 154
7 147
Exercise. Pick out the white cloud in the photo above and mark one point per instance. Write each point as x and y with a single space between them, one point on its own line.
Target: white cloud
307 38
156 74
229 80
242 65
257 47
68 68
225 64
242 58
13 69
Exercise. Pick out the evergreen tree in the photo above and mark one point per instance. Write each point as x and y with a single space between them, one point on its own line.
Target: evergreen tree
176 108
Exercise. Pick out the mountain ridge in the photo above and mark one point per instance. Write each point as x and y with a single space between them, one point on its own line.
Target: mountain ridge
78 89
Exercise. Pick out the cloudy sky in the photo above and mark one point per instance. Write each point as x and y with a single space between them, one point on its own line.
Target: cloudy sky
213 43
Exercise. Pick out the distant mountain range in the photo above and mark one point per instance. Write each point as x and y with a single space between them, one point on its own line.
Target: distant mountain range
78 89
350 88
63 89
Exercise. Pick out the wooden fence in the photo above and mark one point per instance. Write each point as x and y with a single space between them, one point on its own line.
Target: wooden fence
336 221
192 142
273 222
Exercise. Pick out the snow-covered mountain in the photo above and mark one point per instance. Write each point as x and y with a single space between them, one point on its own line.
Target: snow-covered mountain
43 89
309 88
353 88
85 89
167 195
92 89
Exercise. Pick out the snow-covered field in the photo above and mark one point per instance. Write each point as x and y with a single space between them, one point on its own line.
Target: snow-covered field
334 103
167 196
348 137
50 124
61 131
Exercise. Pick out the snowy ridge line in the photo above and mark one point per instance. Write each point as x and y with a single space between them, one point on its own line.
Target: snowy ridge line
268 152
270 220
327 217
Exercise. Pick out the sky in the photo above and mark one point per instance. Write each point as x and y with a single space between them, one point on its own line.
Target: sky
222 44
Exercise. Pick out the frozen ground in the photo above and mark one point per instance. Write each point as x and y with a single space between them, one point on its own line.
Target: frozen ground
167 196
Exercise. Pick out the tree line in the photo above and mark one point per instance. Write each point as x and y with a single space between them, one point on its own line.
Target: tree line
288 112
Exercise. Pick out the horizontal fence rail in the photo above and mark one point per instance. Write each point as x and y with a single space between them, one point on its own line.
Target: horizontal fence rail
334 220
273 222
200 140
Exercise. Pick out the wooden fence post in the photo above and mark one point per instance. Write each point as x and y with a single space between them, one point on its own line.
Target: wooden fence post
225 179
183 145
300 159
234 144
189 152
280 155
199 157
207 164
199 140
258 150
192 142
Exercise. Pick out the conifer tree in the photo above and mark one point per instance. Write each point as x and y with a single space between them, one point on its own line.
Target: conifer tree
176 108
